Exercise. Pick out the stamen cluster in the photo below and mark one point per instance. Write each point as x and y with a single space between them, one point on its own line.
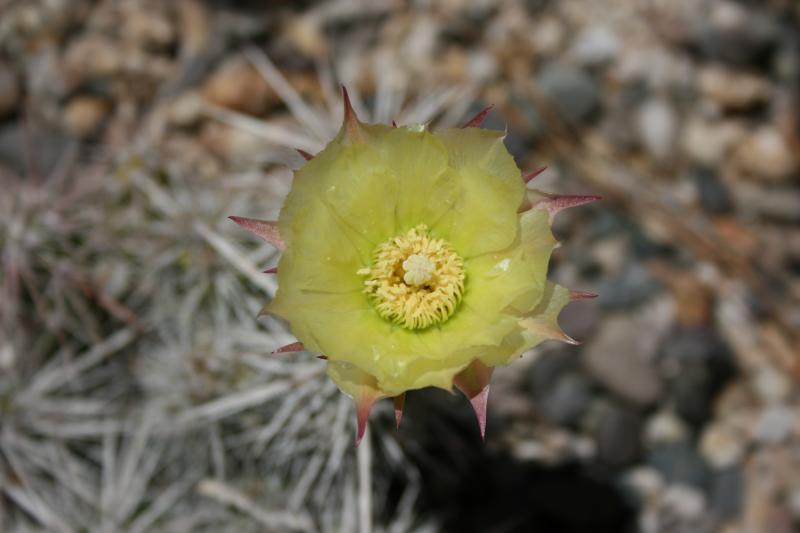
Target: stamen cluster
415 281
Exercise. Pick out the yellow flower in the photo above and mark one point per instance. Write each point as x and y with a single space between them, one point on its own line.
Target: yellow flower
415 258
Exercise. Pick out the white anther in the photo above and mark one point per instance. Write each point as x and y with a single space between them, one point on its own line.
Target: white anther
418 270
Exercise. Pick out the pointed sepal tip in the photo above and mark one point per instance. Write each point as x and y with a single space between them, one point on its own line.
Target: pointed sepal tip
265 229
473 381
399 405
529 176
364 405
289 348
351 126
478 119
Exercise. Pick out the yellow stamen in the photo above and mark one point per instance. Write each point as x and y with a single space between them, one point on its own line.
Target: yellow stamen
415 281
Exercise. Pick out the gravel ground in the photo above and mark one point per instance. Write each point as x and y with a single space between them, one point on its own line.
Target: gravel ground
137 392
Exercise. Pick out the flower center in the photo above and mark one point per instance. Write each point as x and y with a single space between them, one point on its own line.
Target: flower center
415 281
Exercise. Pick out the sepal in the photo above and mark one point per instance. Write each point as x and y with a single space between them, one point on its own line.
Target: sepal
266 229
478 119
473 381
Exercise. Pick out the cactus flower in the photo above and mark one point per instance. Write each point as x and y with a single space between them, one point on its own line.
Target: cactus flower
414 258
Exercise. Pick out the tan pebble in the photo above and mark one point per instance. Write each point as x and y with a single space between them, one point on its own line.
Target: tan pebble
549 36
767 154
84 114
709 142
722 445
306 35
238 85
733 89
89 57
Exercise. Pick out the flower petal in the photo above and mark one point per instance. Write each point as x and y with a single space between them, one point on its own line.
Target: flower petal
514 276
418 160
362 191
539 324
490 189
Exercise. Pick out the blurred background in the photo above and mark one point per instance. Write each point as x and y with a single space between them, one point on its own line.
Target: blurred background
137 392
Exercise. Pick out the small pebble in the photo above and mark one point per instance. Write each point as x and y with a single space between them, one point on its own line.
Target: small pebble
237 85
767 155
657 123
711 192
567 400
595 45
679 462
727 492
687 502
573 93
733 90
709 142
646 481
617 434
771 385
722 445
619 360
774 424
84 115
664 426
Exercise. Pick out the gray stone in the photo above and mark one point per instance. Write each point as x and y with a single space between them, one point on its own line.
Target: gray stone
621 355
727 487
736 34
595 45
45 148
548 368
657 124
632 286
774 424
711 192
567 400
572 91
679 462
617 434
696 364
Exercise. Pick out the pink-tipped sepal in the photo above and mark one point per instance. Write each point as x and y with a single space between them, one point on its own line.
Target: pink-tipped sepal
364 403
352 129
266 229
530 175
305 155
473 381
555 203
478 119
399 405
289 348
582 295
